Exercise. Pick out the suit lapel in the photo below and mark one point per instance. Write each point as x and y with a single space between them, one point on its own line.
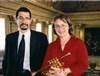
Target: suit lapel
16 44
32 45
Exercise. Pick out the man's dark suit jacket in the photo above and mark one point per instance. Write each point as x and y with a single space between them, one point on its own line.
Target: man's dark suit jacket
38 46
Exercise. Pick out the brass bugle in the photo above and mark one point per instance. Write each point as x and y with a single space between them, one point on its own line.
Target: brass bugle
34 73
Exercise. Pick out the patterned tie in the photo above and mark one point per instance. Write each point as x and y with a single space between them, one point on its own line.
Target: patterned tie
21 52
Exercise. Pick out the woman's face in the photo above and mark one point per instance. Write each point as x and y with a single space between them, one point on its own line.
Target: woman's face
61 28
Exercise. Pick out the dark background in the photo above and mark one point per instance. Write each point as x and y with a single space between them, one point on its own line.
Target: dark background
92 40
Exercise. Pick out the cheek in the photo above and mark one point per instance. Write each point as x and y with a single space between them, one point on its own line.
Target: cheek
18 23
67 29
57 31
29 22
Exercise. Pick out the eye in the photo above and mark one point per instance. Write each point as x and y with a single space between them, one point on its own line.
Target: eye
62 25
21 18
56 26
27 18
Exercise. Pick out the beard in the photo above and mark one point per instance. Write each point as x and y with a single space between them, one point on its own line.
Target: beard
24 26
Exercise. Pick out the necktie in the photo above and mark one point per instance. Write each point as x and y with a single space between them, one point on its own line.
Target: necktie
21 52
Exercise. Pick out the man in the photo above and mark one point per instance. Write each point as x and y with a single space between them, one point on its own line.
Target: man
34 45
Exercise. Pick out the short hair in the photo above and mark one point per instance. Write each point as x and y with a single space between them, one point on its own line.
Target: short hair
23 9
64 19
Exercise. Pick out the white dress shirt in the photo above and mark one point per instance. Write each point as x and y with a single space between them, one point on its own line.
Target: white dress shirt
26 64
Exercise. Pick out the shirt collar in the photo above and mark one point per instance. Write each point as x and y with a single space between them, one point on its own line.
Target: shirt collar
26 34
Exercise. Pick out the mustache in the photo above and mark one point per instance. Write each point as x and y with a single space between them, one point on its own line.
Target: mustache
24 24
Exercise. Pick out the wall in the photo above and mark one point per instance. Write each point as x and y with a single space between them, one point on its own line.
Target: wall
86 20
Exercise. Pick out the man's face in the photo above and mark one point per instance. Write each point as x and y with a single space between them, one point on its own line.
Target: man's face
23 20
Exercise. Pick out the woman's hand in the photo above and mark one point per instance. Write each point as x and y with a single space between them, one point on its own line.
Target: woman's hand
58 72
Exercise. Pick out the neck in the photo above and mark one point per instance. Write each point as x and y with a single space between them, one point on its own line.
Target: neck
24 31
64 40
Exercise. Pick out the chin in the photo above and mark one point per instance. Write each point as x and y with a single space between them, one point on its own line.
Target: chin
61 35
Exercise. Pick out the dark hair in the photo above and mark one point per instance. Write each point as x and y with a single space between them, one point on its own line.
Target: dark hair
64 19
23 9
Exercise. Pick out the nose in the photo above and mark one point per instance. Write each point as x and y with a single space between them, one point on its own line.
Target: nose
23 20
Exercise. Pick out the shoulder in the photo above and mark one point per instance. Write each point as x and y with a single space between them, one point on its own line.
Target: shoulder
11 37
38 34
12 34
53 44
77 40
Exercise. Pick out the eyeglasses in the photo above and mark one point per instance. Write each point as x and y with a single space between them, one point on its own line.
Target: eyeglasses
21 18
57 26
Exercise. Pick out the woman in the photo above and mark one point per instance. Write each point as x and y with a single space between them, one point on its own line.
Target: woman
70 50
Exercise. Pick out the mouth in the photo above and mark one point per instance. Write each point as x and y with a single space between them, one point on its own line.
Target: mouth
61 32
24 26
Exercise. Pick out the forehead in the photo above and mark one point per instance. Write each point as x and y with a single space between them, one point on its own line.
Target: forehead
60 21
25 14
